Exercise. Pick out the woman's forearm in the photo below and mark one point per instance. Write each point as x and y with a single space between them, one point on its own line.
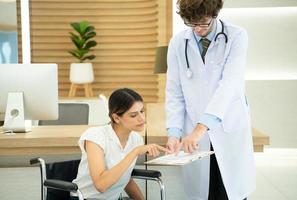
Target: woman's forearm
113 175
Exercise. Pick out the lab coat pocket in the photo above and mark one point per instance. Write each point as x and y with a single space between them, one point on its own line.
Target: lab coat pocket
236 117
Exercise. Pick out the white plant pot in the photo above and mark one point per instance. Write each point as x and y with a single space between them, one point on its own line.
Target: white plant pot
81 73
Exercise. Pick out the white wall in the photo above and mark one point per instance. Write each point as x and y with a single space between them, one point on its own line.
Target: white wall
259 3
272 33
274 110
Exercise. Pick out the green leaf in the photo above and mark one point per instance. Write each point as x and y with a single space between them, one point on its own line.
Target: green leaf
90 44
72 35
83 27
76 27
91 57
75 54
82 52
78 42
89 35
90 28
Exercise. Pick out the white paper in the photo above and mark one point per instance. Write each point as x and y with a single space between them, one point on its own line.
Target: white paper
181 159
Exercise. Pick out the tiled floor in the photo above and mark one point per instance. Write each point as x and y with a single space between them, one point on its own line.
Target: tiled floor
276 179
276 175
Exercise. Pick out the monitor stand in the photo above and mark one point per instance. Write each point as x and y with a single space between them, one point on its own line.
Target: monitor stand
14 115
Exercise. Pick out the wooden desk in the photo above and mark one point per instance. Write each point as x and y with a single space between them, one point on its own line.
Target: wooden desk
259 140
55 140
63 140
43 140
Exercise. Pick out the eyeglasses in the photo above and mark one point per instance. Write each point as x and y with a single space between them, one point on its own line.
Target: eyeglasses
201 25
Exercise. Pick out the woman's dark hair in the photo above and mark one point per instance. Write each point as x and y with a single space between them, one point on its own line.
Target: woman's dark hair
122 100
195 10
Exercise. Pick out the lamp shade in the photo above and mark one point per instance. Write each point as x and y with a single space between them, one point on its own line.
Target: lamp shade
161 60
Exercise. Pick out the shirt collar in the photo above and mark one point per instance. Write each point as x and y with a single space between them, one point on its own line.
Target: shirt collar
114 137
112 134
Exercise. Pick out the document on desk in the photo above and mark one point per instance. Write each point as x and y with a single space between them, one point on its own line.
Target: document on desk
181 159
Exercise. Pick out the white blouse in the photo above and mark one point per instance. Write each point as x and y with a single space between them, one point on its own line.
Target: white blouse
106 138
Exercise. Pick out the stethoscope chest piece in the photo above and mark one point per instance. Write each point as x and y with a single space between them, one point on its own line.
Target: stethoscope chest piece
189 73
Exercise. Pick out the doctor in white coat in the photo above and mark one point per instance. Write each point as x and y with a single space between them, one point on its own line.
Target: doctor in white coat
206 105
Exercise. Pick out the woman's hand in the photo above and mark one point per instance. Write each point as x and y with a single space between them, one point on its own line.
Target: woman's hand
151 149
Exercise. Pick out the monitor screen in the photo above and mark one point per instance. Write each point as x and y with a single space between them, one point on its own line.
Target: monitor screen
31 86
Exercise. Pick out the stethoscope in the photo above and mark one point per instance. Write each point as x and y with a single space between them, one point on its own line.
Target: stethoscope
189 72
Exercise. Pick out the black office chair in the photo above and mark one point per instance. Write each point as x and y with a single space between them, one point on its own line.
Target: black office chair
62 181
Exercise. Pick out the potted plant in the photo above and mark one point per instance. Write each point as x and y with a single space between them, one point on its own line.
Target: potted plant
82 38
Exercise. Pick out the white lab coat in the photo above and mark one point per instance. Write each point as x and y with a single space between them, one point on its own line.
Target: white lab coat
217 88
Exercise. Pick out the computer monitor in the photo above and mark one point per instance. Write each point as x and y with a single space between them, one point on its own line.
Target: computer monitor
27 92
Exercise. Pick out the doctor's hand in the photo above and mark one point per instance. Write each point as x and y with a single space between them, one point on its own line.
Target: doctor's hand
189 142
173 145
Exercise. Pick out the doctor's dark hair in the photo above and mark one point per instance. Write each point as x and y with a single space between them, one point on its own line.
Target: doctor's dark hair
195 10
122 100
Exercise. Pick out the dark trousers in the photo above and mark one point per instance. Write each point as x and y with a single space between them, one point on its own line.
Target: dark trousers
73 198
217 189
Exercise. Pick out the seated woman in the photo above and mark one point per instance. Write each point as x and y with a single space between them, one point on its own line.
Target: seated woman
109 152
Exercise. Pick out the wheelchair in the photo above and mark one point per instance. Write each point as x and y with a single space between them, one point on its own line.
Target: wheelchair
56 179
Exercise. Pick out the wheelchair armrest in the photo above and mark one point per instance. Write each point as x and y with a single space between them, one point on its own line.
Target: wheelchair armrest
60 185
146 173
